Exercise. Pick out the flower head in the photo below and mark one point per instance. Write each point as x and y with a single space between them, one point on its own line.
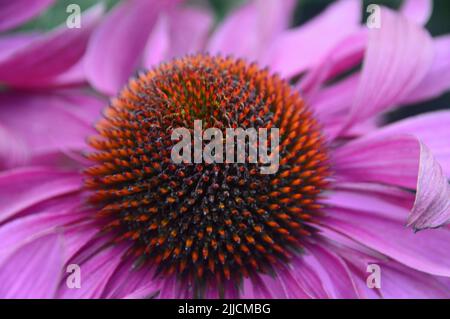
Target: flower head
104 193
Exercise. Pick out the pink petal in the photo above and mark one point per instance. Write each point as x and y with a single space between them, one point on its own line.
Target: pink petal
14 13
432 206
432 129
264 286
129 282
180 32
424 251
309 279
34 270
334 273
437 79
44 123
393 161
189 28
398 281
50 55
95 273
389 201
117 44
12 149
22 188
44 218
418 11
343 56
334 100
10 43
398 56
246 32
301 48
157 47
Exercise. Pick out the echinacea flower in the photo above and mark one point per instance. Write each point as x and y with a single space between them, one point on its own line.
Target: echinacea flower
102 192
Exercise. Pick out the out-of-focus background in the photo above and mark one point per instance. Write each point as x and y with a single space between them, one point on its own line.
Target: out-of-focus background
438 24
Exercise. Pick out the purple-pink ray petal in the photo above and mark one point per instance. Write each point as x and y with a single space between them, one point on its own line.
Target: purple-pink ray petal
50 55
179 32
398 281
393 161
9 43
398 56
45 123
34 270
424 251
432 206
299 49
129 281
247 31
46 217
158 43
432 129
116 46
418 11
22 188
342 57
189 30
437 80
95 273
334 274
13 13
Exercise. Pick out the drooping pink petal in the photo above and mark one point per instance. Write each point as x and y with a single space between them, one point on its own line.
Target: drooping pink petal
334 273
301 48
432 206
129 281
432 129
116 46
309 278
342 57
398 56
50 55
262 286
22 188
10 43
158 43
189 29
12 149
390 201
46 123
95 273
172 288
14 13
334 100
44 218
384 157
424 251
246 32
398 281
437 80
34 270
393 161
418 11
177 33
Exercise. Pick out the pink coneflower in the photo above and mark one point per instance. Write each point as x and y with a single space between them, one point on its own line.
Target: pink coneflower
101 192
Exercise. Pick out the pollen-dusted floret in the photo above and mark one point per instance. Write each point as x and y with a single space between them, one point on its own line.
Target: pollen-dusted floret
206 223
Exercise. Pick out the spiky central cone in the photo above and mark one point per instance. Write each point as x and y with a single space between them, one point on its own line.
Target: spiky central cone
208 223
